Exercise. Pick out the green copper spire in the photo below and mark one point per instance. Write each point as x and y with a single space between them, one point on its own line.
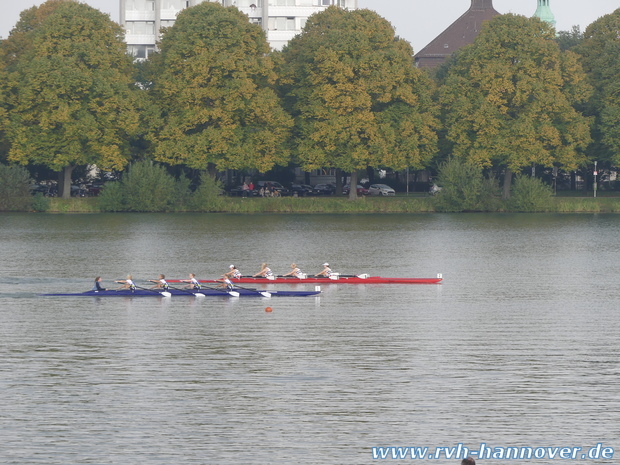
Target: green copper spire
544 12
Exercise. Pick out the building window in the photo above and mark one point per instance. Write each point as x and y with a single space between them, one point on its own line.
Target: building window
281 23
139 51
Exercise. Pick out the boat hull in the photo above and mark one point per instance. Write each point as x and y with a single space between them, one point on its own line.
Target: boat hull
339 280
188 293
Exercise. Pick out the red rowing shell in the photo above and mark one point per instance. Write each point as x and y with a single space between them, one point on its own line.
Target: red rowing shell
339 280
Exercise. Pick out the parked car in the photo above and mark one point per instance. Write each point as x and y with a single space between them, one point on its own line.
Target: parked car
361 190
381 189
271 188
238 191
301 190
324 189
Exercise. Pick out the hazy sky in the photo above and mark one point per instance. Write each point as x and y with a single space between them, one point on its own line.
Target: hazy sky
418 21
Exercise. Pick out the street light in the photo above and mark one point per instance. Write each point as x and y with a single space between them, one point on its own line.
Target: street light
595 175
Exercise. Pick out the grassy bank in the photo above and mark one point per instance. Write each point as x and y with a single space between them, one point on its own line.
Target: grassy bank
343 205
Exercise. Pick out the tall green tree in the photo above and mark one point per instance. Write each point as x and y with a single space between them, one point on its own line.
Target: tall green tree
509 99
356 96
214 82
600 56
69 93
568 40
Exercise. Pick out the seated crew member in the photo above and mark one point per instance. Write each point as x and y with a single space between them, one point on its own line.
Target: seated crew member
265 272
226 283
160 283
127 283
193 283
234 273
326 273
97 287
294 271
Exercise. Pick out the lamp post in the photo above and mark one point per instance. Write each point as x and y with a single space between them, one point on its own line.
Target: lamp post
595 175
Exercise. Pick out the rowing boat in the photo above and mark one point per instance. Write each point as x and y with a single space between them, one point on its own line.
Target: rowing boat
336 279
178 292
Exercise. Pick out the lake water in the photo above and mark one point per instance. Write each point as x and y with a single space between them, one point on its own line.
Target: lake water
518 347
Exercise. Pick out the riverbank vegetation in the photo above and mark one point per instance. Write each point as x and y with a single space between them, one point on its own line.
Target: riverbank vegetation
401 204
343 98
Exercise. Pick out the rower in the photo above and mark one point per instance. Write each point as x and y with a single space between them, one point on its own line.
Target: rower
226 282
160 283
327 271
234 273
127 283
193 282
294 272
97 287
265 272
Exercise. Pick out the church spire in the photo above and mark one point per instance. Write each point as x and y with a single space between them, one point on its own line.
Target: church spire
544 12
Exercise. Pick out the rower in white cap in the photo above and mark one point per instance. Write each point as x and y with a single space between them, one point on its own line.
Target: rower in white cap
233 273
327 271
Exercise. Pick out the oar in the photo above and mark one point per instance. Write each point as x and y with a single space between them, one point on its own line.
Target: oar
232 293
163 293
263 293
197 294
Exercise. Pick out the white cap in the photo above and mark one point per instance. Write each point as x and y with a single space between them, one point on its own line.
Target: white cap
325 264
231 266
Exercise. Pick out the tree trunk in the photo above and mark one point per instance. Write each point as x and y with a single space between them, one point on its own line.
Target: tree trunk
212 170
338 181
507 184
64 182
371 174
353 186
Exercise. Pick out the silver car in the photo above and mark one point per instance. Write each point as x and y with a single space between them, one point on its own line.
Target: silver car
381 189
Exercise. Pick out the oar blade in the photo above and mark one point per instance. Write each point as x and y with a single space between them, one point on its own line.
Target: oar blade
234 293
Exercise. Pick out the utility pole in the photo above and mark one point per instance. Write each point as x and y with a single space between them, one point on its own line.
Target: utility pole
595 175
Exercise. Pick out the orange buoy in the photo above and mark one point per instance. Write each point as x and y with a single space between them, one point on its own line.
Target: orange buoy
268 309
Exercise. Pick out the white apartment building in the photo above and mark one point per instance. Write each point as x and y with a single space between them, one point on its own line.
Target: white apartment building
281 19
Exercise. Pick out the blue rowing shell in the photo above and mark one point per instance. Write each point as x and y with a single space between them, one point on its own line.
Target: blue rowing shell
176 292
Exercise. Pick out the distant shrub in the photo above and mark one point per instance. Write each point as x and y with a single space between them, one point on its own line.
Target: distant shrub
207 197
530 195
145 187
465 188
15 185
40 203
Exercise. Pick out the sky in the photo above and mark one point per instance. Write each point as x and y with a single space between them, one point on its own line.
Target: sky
418 21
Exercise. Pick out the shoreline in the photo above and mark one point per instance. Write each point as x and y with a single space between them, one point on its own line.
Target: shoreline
331 205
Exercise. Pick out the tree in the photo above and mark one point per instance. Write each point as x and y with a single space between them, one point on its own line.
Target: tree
568 40
214 82
356 96
509 99
69 93
600 56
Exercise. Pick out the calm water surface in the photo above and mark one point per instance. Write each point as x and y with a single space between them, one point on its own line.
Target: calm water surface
518 347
